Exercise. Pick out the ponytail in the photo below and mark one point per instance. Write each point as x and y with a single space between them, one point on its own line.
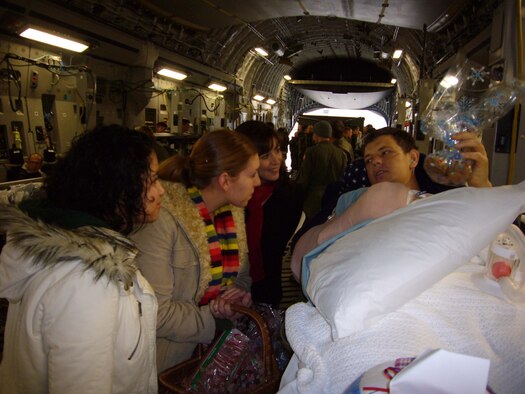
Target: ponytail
214 153
176 169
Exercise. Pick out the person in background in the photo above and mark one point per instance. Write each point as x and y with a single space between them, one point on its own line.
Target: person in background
323 163
186 125
161 127
390 157
284 140
81 316
347 133
272 214
356 141
294 150
196 256
160 150
368 129
306 141
302 140
32 168
340 141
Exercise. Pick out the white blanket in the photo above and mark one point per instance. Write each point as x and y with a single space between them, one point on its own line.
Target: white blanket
454 315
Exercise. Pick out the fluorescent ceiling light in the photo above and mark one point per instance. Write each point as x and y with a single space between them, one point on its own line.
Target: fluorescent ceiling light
449 81
258 97
217 87
51 39
393 81
287 77
270 101
261 51
397 54
172 74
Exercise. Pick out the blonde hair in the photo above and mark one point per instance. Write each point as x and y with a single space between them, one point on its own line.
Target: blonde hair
214 153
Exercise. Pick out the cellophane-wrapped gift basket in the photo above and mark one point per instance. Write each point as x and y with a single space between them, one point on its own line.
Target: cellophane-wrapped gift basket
468 98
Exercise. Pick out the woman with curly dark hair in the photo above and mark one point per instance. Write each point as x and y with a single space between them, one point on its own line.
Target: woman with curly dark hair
81 316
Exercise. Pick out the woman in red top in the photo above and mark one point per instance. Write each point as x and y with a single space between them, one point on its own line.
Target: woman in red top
272 214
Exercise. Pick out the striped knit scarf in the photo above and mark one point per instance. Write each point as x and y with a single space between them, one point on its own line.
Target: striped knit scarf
222 244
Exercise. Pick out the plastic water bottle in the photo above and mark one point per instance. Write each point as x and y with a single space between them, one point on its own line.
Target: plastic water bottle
503 257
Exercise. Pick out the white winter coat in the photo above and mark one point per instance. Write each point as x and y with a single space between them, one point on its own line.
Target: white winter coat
81 316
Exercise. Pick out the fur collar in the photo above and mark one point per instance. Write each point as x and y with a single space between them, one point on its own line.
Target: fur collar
177 201
107 252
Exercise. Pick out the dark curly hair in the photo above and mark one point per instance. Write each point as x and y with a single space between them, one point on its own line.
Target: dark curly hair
105 174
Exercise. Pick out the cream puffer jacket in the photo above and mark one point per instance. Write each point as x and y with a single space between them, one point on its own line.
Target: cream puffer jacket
81 316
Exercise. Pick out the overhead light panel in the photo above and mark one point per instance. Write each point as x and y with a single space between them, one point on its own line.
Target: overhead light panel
278 49
261 51
52 39
287 77
216 86
397 54
172 74
449 81
258 97
393 81
270 101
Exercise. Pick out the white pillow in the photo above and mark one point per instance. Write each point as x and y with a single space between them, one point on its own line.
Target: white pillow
376 269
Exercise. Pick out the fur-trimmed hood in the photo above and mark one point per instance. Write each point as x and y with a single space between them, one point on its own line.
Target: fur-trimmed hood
33 245
178 202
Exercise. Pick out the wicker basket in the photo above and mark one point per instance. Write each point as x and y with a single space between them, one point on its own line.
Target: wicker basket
170 381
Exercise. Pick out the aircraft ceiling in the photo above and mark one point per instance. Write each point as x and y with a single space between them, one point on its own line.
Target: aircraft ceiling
221 34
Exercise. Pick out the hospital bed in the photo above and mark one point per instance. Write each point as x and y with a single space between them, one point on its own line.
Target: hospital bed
408 282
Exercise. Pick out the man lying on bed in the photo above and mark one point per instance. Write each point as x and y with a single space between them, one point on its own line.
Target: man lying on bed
391 157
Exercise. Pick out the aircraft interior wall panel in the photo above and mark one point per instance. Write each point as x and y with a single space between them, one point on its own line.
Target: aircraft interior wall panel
519 168
173 111
164 102
153 108
36 126
489 141
68 124
12 120
200 120
35 84
503 39
164 111
212 119
108 103
503 62
108 113
401 111
499 169
192 108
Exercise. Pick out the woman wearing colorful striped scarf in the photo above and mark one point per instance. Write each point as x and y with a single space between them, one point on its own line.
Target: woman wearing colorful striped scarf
196 255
